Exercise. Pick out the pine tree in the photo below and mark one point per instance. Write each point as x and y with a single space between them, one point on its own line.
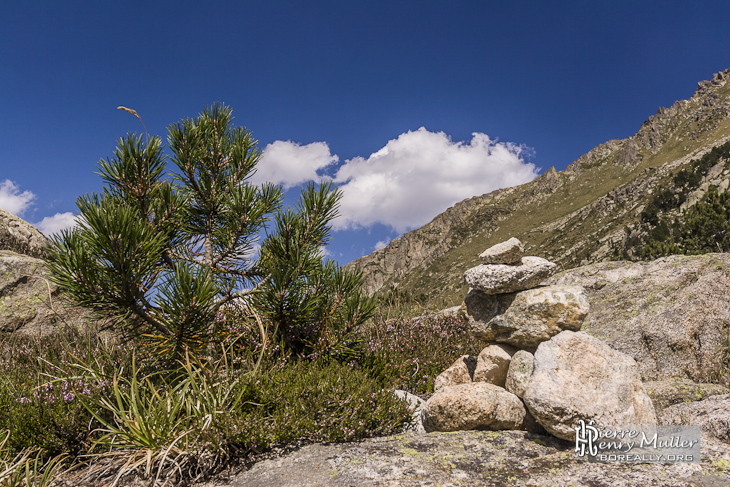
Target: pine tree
160 257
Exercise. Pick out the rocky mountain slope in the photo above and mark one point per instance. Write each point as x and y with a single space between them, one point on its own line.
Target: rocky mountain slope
572 217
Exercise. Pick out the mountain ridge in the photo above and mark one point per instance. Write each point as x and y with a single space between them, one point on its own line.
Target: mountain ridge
574 217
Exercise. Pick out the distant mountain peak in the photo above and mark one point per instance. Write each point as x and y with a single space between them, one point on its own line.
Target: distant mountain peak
572 217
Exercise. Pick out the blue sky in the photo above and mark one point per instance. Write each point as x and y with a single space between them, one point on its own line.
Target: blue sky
409 106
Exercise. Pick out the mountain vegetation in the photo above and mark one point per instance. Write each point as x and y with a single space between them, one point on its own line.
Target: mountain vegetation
201 355
665 229
590 212
166 260
197 354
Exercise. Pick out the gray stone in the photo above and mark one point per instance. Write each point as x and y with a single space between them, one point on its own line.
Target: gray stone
415 404
712 414
21 237
503 278
672 315
519 373
665 393
478 405
493 364
29 302
466 458
460 372
576 376
527 318
509 252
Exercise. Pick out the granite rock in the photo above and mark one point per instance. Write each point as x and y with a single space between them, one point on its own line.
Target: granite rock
509 278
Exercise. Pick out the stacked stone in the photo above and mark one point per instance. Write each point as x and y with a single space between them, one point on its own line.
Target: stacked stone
537 370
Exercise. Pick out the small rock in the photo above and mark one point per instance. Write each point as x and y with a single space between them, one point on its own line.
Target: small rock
527 318
493 364
712 414
508 252
473 406
449 312
503 278
460 372
519 373
415 404
576 376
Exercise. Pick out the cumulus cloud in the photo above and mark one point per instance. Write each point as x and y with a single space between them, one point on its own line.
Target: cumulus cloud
288 163
12 200
54 224
381 244
420 174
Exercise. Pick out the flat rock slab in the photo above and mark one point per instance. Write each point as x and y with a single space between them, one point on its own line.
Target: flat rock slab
468 458
712 414
671 315
665 393
503 278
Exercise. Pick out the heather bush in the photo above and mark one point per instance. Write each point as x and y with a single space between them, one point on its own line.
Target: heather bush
76 394
409 353
41 412
316 401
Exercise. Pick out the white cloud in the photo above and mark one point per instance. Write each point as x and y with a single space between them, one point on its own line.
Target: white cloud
54 224
325 252
289 163
381 244
420 174
12 200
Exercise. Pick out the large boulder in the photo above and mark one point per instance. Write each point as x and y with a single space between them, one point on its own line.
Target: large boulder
672 315
576 376
527 318
509 278
29 302
21 237
475 406
712 414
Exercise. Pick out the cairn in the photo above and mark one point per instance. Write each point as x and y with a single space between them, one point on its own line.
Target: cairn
536 365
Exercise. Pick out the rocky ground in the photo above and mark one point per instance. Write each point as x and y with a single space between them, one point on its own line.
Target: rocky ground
670 315
470 458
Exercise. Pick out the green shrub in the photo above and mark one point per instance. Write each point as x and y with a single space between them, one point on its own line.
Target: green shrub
161 257
315 401
409 353
44 413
